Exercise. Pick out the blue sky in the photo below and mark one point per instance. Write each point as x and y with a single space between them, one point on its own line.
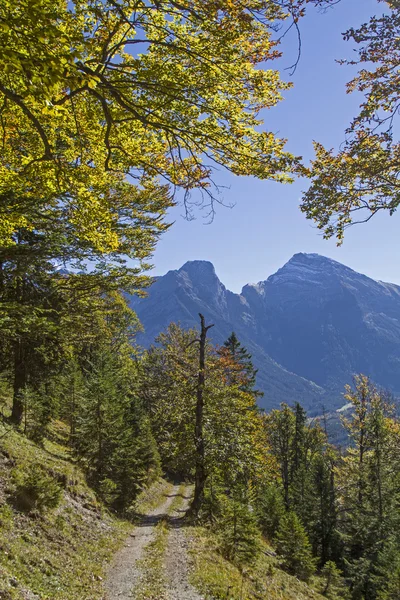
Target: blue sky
265 228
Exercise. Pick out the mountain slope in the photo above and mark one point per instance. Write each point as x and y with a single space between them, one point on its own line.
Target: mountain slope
180 295
310 326
326 322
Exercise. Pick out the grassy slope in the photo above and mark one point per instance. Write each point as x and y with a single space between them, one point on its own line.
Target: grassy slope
218 579
61 554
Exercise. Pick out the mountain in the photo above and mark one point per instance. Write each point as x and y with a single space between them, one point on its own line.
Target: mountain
310 327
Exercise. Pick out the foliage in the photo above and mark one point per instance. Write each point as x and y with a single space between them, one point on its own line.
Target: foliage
239 365
237 526
270 509
112 436
368 479
233 427
218 578
59 553
334 586
234 438
155 90
362 179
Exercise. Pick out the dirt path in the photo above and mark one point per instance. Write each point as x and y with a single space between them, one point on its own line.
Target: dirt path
126 579
176 556
124 573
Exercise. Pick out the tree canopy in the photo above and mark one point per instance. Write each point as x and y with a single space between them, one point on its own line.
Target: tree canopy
102 102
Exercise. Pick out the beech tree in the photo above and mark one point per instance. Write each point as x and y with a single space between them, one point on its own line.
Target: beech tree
101 102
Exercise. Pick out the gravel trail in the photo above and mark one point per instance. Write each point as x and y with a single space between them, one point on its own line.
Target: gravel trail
124 573
176 557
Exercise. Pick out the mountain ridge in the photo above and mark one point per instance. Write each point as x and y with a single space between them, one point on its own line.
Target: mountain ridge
310 325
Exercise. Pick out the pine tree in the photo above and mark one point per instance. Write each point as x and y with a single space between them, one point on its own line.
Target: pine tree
324 515
386 576
237 527
270 509
370 497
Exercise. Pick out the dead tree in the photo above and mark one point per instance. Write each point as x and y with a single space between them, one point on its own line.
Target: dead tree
200 474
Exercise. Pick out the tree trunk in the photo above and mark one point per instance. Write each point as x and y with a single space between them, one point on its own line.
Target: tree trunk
20 374
200 475
19 383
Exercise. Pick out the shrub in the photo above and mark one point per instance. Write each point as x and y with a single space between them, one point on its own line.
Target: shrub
35 489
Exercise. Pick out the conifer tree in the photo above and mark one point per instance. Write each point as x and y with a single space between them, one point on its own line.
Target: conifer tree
237 527
368 479
334 585
242 371
270 508
294 547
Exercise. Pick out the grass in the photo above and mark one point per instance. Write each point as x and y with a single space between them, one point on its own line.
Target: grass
218 579
59 554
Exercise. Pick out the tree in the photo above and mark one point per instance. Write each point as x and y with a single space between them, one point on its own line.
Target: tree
242 369
48 313
113 438
235 449
270 509
200 470
149 90
169 372
324 533
280 430
363 177
294 547
30 314
334 587
388 569
368 482
237 527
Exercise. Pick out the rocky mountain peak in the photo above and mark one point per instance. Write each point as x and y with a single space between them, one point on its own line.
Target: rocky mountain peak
199 269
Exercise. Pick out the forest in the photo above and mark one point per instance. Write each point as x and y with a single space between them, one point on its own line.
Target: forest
111 112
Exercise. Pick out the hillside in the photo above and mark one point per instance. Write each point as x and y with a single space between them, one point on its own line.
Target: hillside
68 552
60 551
310 326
